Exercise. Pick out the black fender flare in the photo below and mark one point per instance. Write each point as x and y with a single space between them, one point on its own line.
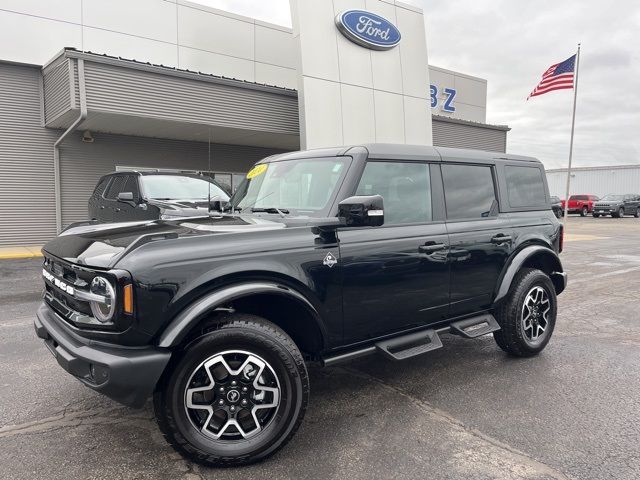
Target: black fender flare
182 323
558 277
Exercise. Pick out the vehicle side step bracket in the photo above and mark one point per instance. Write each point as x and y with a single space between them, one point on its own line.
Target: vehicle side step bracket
475 326
408 346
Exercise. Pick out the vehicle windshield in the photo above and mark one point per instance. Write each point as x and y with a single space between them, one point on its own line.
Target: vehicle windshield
612 198
302 186
181 187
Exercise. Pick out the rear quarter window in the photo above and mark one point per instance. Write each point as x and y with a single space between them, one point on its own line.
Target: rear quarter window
525 186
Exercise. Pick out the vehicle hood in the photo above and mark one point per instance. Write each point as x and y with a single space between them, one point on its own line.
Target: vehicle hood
101 245
608 204
182 208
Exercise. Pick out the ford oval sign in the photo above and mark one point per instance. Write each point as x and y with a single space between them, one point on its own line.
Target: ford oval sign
368 29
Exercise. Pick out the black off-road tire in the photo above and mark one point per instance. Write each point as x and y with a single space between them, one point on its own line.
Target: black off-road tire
511 336
235 332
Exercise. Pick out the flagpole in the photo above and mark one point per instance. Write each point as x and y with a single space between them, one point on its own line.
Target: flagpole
573 124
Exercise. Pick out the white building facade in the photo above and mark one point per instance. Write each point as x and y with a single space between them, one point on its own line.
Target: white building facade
168 79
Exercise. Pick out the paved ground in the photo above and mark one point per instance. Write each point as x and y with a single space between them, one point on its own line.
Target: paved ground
465 411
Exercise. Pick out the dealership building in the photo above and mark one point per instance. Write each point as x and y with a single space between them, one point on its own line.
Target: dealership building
89 87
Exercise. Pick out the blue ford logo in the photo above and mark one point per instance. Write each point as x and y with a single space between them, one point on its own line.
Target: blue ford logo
368 29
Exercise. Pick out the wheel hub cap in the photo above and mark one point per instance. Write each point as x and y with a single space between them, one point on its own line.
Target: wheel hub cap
232 395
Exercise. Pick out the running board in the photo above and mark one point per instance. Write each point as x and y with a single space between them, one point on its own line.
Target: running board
407 346
475 326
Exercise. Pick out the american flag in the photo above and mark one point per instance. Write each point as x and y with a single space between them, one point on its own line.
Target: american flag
557 77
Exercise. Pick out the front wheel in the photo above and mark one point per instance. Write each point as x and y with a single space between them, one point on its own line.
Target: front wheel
528 316
620 212
596 215
584 212
637 214
235 395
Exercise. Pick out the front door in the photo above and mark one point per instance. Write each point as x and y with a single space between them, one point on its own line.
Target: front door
480 239
395 276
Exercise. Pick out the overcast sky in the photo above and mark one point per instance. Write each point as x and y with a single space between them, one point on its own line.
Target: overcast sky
511 43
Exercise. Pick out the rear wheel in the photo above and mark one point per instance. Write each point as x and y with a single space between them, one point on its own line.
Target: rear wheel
528 316
235 395
584 212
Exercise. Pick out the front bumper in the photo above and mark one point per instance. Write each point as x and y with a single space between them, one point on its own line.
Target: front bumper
127 375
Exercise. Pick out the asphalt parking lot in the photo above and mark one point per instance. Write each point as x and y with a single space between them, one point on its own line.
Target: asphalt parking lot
464 411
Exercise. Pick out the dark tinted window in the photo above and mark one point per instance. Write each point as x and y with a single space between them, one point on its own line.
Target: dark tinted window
116 187
405 188
525 186
131 185
101 186
469 191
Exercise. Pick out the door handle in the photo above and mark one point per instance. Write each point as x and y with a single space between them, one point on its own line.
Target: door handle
101 207
431 247
118 210
501 238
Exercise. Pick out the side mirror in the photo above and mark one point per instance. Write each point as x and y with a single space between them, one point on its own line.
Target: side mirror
125 197
362 211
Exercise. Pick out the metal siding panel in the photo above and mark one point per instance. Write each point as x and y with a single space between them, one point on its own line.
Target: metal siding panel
596 181
82 164
134 92
447 134
56 90
27 209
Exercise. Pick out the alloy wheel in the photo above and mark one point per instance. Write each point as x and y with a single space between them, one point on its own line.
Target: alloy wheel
233 395
534 316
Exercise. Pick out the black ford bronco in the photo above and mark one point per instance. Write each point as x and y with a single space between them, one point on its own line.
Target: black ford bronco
320 257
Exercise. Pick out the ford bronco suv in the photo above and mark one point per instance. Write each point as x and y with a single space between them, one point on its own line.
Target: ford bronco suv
320 257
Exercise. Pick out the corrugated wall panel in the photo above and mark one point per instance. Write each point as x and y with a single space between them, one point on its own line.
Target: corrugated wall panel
27 209
82 164
57 90
596 181
135 92
456 135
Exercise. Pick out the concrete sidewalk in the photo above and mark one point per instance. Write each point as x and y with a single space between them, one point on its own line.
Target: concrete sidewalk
26 251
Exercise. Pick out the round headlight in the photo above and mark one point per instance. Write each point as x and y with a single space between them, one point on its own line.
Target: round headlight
103 312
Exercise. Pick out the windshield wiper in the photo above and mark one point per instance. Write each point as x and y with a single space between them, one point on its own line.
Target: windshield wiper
281 211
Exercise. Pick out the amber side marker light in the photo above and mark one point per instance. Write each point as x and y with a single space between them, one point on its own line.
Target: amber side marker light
128 298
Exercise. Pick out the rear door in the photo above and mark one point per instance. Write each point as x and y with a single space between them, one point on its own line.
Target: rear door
396 276
480 239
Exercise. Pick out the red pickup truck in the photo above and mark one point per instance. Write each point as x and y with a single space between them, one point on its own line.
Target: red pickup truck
582 204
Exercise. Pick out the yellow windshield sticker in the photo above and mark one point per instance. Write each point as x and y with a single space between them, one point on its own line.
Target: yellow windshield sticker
257 170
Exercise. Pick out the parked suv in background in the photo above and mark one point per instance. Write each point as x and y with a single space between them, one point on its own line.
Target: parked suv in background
131 196
618 205
323 256
582 204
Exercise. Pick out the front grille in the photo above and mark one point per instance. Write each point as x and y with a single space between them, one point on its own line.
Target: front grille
73 310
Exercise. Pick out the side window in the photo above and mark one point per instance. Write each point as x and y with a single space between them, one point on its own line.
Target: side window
131 185
116 187
100 188
469 191
405 188
525 186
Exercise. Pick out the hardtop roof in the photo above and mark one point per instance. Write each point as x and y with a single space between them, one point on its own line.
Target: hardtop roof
392 151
